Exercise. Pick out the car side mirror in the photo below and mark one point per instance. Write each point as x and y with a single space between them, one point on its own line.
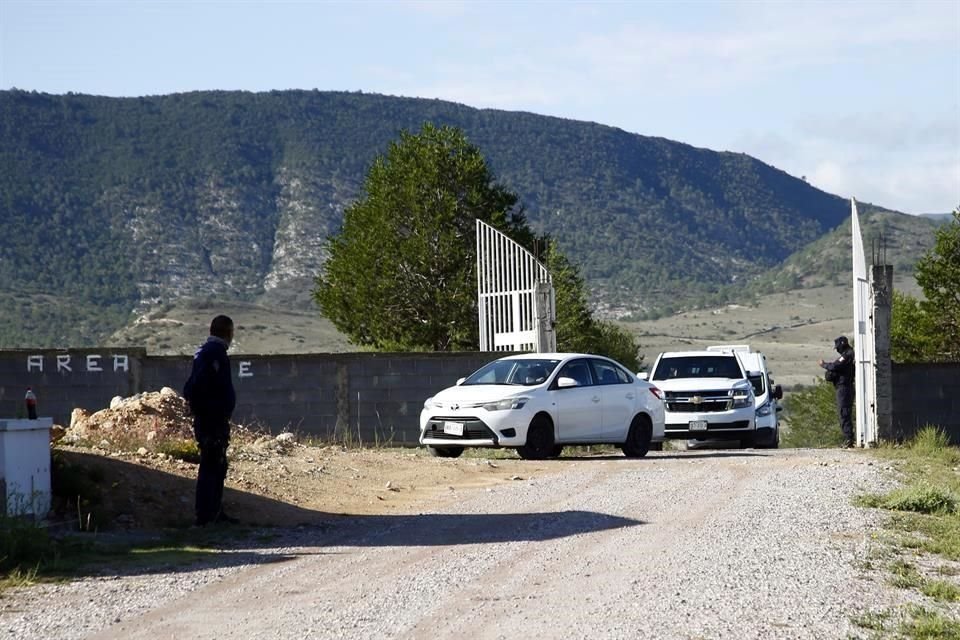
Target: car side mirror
643 375
565 383
779 409
460 381
778 392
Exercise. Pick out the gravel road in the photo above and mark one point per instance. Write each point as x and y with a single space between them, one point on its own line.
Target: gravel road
676 545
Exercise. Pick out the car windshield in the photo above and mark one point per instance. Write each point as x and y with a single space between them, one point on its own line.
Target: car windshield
514 371
698 367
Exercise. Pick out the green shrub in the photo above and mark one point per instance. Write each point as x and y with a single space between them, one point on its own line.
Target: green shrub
811 417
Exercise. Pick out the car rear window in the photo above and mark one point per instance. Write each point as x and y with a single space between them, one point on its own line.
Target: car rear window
698 367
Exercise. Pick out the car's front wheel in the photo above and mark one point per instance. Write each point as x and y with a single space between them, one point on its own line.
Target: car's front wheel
638 438
539 445
446 452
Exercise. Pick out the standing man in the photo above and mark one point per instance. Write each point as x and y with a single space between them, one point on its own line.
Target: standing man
209 390
840 372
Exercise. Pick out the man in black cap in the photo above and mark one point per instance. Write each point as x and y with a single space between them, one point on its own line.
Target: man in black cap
840 372
209 390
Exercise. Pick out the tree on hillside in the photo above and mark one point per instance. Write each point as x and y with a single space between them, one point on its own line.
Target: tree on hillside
577 329
938 274
912 335
401 273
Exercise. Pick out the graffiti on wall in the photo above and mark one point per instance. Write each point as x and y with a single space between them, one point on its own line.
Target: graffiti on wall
91 363
65 363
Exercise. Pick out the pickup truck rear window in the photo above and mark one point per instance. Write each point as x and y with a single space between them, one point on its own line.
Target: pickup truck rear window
698 367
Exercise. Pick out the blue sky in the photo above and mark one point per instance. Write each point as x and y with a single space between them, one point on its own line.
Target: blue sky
862 98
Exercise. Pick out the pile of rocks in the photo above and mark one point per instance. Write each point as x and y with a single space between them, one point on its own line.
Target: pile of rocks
145 422
143 418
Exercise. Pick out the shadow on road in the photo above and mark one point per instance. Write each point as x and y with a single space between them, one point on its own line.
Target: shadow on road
670 455
688 455
443 529
161 539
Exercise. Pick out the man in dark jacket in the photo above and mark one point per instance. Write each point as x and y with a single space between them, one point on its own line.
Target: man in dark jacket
841 372
209 390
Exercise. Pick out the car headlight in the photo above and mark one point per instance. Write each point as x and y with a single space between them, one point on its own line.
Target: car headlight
430 404
764 410
508 403
740 398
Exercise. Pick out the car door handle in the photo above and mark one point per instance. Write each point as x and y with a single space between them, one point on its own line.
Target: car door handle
629 396
595 398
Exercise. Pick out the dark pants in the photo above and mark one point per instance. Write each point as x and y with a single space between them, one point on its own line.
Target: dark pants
213 437
845 407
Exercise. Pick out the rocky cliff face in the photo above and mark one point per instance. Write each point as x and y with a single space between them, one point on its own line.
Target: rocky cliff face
309 210
232 239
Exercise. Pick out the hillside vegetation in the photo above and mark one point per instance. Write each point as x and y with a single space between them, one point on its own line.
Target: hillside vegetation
113 204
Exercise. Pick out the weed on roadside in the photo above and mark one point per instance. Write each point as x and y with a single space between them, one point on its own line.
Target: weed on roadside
941 590
920 497
905 575
926 624
872 620
186 450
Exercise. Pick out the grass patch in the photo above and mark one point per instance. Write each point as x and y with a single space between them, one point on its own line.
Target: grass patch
926 515
872 620
926 624
905 575
941 590
920 497
938 535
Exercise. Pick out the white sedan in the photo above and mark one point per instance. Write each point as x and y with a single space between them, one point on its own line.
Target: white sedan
537 403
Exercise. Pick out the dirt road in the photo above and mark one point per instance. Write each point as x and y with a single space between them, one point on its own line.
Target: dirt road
677 545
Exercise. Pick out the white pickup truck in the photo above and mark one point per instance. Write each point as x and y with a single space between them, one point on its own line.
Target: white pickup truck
722 393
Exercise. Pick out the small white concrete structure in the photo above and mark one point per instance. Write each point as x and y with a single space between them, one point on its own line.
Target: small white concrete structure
25 467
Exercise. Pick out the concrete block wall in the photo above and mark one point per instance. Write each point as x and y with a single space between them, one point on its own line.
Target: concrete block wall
368 397
62 380
926 394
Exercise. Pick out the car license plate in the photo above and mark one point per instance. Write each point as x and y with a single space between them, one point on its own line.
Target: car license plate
453 428
698 425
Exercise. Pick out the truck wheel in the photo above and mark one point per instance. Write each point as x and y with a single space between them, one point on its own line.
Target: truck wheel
539 445
638 438
773 442
446 452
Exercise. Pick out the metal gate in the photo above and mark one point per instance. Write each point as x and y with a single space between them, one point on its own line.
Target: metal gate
864 339
516 300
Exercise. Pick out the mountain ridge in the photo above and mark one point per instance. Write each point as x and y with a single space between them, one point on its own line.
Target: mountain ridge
138 201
